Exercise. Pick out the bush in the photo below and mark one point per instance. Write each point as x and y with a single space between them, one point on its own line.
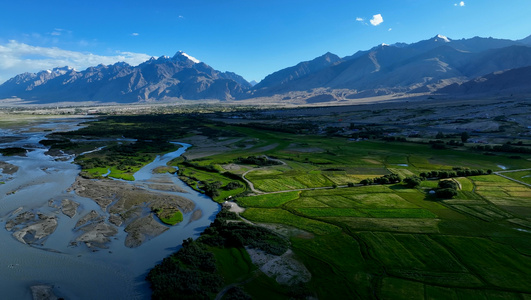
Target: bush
447 184
412 182
232 186
445 193
260 161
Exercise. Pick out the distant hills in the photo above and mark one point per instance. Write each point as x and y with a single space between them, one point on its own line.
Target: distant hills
437 66
422 67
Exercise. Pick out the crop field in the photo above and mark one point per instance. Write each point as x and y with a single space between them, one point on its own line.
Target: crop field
269 200
466 185
500 265
379 200
284 217
524 176
385 241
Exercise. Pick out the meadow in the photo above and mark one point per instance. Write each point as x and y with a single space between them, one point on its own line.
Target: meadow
383 241
389 241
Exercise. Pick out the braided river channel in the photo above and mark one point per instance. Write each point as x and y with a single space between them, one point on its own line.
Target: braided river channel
78 271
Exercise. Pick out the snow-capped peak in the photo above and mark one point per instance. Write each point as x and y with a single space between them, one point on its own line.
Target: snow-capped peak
195 60
384 44
59 70
442 37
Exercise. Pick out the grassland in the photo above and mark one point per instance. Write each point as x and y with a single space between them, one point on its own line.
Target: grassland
365 242
389 241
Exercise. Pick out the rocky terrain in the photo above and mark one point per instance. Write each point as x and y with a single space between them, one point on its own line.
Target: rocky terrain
178 77
400 70
127 204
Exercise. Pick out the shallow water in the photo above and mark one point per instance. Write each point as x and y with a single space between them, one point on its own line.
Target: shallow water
77 272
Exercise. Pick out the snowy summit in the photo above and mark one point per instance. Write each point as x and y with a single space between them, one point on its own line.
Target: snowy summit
442 37
195 60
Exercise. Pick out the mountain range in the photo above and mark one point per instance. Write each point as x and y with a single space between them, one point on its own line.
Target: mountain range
437 66
178 77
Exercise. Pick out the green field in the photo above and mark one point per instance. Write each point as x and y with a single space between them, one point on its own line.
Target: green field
524 176
382 241
428 248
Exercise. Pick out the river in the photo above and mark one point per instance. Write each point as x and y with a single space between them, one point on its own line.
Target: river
78 272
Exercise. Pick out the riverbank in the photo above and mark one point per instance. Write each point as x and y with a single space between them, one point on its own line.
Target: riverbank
110 241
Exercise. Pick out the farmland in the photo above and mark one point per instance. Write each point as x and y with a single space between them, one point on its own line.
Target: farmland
384 241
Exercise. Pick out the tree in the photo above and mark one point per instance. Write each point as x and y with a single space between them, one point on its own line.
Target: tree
439 135
367 181
447 184
445 193
412 182
464 136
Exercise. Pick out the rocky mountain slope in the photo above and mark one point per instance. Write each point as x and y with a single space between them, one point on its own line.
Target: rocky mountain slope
503 83
178 77
425 67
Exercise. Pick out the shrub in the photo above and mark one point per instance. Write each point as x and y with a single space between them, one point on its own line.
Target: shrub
412 182
445 193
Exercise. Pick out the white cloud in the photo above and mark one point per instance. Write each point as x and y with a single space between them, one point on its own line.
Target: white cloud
135 34
462 3
360 19
376 20
390 29
16 58
57 32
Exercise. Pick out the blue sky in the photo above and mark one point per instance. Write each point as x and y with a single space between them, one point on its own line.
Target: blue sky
251 38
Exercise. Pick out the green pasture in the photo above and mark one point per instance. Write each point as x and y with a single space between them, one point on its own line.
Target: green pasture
234 263
194 177
416 238
465 184
268 215
499 265
335 261
524 176
376 241
399 213
397 288
330 212
268 200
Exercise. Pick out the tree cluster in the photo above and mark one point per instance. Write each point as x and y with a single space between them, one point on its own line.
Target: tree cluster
502 148
260 161
446 189
187 274
191 273
301 127
394 139
238 234
456 172
211 189
232 186
386 179
412 181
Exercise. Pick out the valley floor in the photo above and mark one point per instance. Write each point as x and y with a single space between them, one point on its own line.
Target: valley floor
304 175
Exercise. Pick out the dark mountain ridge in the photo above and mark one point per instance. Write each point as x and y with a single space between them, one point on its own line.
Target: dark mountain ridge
160 78
423 67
